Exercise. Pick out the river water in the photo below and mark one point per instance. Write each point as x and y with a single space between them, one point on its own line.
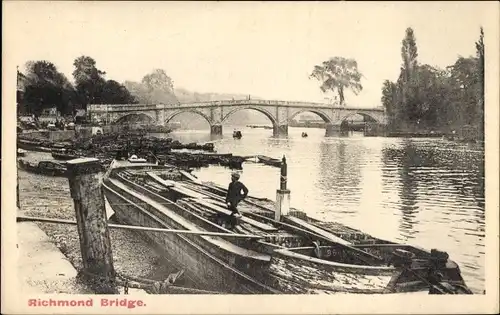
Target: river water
425 192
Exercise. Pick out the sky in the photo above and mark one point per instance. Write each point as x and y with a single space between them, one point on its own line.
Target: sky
262 49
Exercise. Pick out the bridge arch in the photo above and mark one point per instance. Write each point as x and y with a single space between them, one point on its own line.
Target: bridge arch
256 108
188 110
320 113
139 117
365 115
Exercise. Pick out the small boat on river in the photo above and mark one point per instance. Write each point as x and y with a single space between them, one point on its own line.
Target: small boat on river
269 160
51 168
237 134
262 254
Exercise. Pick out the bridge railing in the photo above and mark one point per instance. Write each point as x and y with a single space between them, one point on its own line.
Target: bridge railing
137 107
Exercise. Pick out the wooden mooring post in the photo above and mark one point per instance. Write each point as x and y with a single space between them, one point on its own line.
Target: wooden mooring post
85 176
282 206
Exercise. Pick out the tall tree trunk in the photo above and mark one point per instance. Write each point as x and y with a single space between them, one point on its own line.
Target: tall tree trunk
341 96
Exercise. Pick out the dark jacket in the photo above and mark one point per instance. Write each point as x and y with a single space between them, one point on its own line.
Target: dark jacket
234 195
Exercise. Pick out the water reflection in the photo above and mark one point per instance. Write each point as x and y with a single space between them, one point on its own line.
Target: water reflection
339 175
409 188
426 192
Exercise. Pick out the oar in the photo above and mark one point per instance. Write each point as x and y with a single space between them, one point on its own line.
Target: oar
141 228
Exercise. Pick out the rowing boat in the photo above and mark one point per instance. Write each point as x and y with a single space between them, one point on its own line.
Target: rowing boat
293 255
51 168
269 160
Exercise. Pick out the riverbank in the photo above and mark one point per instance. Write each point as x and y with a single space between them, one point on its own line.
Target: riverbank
41 266
49 197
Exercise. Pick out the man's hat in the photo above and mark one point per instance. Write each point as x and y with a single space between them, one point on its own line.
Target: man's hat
235 175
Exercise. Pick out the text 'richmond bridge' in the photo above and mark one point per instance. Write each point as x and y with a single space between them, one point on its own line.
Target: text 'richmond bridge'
280 113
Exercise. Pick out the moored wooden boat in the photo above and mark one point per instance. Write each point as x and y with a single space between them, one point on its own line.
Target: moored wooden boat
64 156
290 257
51 168
21 152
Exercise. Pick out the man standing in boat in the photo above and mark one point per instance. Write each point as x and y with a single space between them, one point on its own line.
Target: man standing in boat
234 195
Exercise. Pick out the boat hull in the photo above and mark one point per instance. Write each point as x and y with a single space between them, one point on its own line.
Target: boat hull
204 264
42 170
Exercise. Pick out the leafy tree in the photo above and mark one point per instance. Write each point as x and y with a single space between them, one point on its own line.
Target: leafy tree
160 87
138 91
155 87
428 97
89 80
464 77
409 78
338 74
158 80
47 87
480 89
389 95
115 93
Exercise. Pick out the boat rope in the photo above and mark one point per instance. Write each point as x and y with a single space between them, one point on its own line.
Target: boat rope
148 285
142 228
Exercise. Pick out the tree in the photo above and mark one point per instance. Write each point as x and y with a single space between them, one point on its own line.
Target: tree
89 80
138 91
158 80
465 80
115 93
480 74
389 99
160 87
47 87
155 87
409 72
338 74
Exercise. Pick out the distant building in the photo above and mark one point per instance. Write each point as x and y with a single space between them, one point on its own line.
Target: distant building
52 111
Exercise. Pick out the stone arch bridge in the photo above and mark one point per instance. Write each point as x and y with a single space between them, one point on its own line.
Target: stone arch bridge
280 113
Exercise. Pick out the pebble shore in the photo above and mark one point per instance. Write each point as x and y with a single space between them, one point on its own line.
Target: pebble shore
49 197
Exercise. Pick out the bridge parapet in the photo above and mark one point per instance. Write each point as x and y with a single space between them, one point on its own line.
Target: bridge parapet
279 112
228 103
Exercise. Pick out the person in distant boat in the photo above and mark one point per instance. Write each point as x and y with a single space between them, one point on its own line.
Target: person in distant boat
234 194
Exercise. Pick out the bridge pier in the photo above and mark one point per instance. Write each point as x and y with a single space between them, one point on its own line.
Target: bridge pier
332 130
216 130
281 130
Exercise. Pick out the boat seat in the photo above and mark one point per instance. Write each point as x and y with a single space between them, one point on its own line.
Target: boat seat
216 208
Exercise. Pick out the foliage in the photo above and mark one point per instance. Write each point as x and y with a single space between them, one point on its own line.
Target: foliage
426 97
89 80
155 88
116 93
44 86
93 88
47 87
338 74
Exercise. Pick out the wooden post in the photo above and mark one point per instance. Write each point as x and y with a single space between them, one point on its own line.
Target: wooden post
282 206
95 245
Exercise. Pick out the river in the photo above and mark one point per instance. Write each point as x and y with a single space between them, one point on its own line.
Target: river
425 192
